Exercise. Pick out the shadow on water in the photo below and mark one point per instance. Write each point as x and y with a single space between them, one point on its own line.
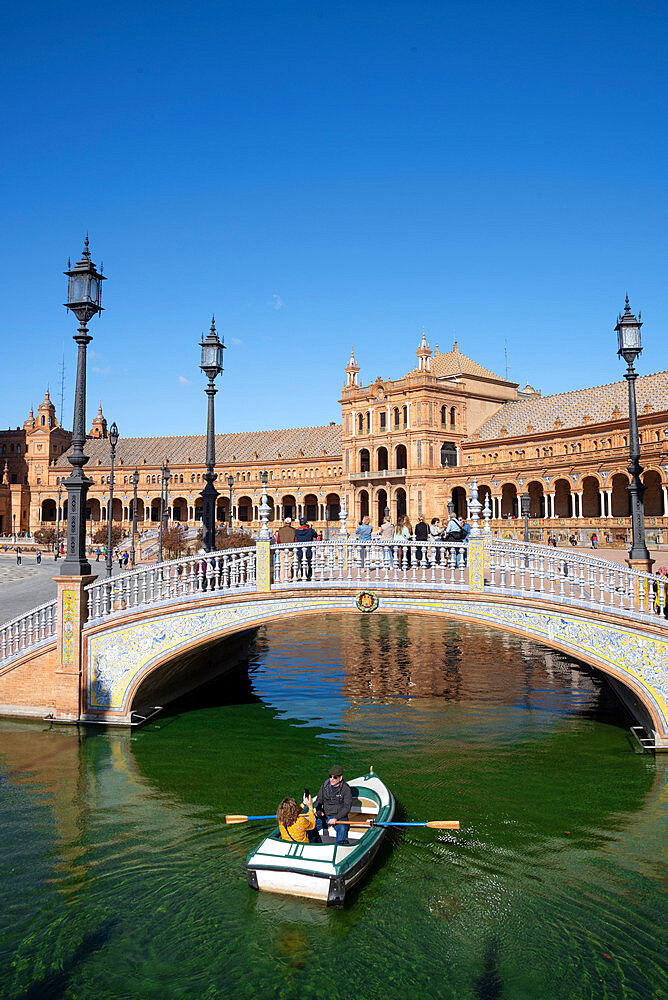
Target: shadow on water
489 985
51 987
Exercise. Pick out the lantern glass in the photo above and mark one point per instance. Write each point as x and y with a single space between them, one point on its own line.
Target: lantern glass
210 354
113 435
526 503
629 337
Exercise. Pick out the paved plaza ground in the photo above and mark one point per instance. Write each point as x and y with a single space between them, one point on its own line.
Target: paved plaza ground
29 585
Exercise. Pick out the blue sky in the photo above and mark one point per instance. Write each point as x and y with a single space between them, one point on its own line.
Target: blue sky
322 175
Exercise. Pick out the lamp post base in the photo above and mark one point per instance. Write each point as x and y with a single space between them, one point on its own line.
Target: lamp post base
643 565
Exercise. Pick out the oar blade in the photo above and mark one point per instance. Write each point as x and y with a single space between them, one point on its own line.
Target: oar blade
236 819
443 824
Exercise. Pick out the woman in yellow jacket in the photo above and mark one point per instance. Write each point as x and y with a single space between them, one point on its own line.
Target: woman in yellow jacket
291 823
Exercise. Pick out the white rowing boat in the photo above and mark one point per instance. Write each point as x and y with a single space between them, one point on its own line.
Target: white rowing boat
325 870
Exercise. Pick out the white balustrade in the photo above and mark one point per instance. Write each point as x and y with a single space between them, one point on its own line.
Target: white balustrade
28 631
172 582
512 569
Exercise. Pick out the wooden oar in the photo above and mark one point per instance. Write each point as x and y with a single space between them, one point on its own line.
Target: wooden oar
435 824
248 819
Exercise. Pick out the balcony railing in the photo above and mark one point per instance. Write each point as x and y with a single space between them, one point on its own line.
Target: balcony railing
379 474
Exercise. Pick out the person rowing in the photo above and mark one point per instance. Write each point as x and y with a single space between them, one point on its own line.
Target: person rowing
334 802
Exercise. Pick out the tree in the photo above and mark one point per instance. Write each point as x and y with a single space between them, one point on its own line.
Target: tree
173 542
101 536
46 536
227 540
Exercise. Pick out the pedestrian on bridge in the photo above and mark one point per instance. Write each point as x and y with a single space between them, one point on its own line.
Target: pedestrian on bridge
305 533
363 534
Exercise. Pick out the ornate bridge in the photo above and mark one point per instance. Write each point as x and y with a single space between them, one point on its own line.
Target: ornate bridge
98 652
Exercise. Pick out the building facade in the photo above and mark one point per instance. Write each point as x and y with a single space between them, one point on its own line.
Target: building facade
411 445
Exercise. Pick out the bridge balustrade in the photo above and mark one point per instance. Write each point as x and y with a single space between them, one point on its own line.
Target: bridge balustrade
171 582
377 564
29 631
503 567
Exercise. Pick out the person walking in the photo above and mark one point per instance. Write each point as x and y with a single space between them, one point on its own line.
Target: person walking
38 556
97 554
594 541
18 555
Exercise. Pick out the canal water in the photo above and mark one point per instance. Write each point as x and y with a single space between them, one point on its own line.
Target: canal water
120 878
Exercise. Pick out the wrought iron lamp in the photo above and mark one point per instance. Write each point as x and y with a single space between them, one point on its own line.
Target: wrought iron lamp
113 441
84 293
629 347
60 491
212 366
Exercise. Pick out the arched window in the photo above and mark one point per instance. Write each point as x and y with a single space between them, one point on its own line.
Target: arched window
453 416
405 416
444 413
360 423
396 416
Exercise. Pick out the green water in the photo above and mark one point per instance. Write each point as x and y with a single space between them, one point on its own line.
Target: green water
121 879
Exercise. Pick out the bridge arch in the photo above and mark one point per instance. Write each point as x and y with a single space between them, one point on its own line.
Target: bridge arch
123 654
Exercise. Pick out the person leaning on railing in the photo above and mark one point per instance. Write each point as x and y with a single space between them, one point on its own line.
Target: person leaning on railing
386 535
401 534
363 534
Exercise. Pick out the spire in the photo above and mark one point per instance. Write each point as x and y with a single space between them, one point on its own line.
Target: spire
352 369
627 307
32 416
213 323
454 346
86 251
47 397
424 354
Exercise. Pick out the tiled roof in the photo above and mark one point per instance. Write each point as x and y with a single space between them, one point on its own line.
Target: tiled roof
265 446
600 403
455 363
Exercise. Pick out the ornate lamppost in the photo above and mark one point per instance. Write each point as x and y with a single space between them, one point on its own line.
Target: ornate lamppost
629 347
212 366
230 483
113 441
165 476
84 292
60 490
134 479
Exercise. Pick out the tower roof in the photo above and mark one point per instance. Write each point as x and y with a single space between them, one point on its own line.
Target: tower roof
455 363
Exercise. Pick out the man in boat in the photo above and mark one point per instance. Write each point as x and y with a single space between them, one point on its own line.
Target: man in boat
291 823
334 802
